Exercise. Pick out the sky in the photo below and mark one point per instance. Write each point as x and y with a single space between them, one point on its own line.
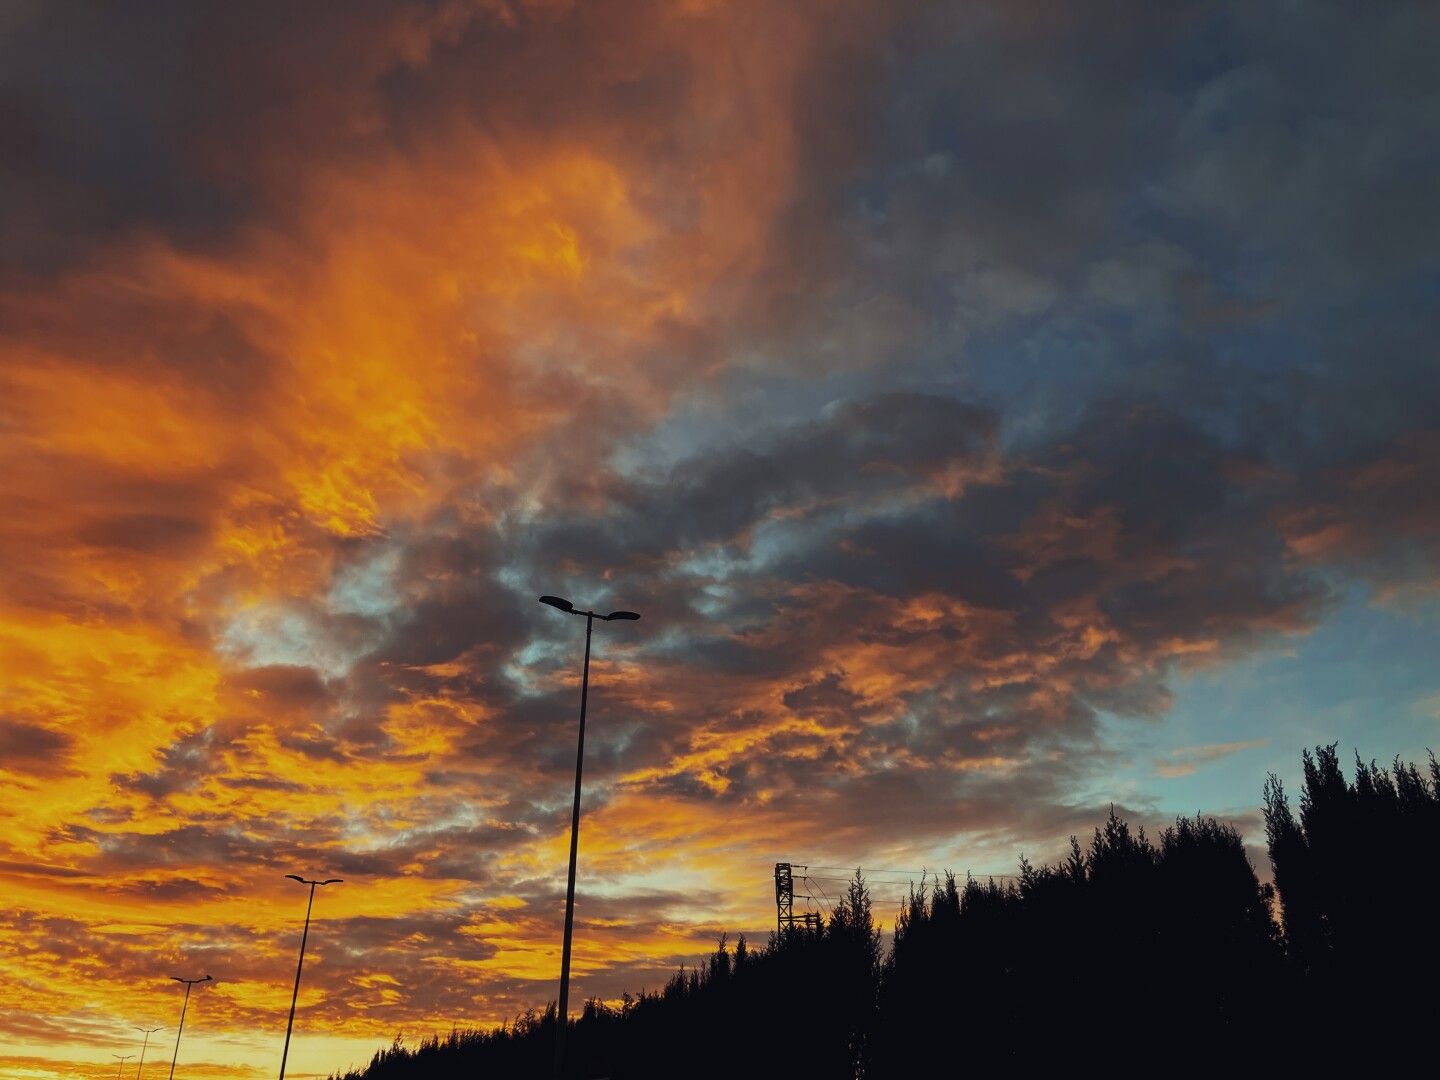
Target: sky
998 412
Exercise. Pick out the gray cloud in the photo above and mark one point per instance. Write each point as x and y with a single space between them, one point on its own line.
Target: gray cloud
27 747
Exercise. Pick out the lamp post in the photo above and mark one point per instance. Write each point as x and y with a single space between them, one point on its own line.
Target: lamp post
148 1032
122 1058
304 935
183 1006
590 617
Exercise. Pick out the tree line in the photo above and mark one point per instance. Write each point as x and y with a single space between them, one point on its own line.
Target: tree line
1165 954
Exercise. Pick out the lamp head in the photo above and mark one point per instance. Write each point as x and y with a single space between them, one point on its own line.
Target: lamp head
296 877
622 615
558 602
333 881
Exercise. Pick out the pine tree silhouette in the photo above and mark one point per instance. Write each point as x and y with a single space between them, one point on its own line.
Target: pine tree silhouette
1163 955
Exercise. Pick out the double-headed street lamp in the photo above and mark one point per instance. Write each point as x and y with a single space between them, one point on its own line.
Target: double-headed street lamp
148 1032
122 1059
306 934
590 617
184 1005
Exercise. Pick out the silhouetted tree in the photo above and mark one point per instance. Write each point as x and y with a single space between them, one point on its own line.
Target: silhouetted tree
1356 877
1131 953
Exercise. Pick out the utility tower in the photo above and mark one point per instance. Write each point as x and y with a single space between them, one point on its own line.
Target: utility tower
784 897
785 902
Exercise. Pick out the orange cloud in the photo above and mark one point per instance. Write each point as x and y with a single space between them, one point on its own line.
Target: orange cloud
197 440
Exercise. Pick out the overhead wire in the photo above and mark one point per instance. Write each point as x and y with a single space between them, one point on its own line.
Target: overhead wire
830 907
909 881
849 871
817 881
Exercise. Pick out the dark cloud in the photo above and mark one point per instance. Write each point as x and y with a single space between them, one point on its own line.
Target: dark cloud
27 747
283 686
145 533
181 766
1083 573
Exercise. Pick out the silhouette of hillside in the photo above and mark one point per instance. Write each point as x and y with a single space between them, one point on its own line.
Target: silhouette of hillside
1163 954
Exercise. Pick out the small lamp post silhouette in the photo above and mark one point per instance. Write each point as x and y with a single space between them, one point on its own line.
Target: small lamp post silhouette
123 1058
148 1032
590 617
298 967
183 1006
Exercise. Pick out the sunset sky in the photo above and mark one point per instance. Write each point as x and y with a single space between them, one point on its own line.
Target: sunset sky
997 412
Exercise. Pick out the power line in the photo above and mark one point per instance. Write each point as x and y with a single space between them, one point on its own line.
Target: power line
899 873
907 876
828 905
851 870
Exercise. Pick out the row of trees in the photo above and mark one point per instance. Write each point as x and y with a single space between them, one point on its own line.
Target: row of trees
1164 953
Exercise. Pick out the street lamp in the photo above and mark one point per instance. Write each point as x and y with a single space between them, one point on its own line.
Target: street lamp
590 617
183 1006
148 1032
296 995
123 1058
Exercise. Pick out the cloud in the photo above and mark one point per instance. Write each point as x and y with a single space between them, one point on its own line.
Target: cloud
32 748
1184 760
940 382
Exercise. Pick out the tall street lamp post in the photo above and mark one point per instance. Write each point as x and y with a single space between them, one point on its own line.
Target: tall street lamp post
590 617
148 1032
122 1058
303 936
183 1006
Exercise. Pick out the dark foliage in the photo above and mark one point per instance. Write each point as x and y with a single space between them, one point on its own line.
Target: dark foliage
1128 931
1163 955
1357 876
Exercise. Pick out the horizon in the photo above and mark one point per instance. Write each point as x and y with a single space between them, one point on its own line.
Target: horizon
995 412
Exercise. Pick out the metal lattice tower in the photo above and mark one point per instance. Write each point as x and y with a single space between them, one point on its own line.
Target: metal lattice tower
785 902
784 897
